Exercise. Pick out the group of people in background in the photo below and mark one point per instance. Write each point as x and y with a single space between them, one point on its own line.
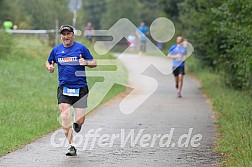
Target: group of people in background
140 36
139 39
177 52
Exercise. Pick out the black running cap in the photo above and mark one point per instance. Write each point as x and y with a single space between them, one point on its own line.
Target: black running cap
66 27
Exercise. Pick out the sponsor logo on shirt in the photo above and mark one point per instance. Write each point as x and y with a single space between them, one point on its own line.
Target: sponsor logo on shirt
67 59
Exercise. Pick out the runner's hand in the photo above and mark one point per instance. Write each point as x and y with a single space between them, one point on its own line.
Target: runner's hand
50 67
82 61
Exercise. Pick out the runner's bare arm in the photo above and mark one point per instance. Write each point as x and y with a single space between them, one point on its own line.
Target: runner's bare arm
177 56
91 63
88 63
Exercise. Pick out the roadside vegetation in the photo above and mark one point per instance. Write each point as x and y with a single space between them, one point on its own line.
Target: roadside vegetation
234 118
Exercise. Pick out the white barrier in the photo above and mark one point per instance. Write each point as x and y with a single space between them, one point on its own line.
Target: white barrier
31 31
41 33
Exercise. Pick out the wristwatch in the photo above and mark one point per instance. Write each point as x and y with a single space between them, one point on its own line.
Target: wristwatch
86 62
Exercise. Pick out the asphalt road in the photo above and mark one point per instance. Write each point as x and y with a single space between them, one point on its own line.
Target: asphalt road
149 127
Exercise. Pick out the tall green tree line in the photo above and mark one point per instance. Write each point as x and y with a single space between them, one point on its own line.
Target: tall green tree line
37 14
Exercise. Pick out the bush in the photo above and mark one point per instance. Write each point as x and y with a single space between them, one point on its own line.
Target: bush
236 62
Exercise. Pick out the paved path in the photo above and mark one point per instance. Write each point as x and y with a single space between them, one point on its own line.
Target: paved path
158 119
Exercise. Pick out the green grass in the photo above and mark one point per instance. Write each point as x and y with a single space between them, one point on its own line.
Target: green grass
28 104
234 117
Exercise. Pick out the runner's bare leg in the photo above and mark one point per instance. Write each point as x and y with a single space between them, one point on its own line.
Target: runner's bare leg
79 115
66 121
180 82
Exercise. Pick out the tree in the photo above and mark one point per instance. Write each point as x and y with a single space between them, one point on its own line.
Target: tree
170 7
116 10
236 59
221 35
198 23
36 14
93 11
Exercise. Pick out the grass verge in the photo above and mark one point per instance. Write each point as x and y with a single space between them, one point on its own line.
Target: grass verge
28 104
234 116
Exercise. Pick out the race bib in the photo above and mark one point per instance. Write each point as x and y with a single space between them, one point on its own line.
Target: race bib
71 92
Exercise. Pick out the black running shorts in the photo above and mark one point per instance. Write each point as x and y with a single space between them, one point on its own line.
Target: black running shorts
178 70
76 102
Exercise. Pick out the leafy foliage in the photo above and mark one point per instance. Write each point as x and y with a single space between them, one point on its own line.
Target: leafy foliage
116 10
221 35
36 14
237 58
93 12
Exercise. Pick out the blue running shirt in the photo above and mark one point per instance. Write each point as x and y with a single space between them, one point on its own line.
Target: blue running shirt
67 59
142 31
176 49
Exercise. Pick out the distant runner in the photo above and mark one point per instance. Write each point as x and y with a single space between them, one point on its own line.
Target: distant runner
178 54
